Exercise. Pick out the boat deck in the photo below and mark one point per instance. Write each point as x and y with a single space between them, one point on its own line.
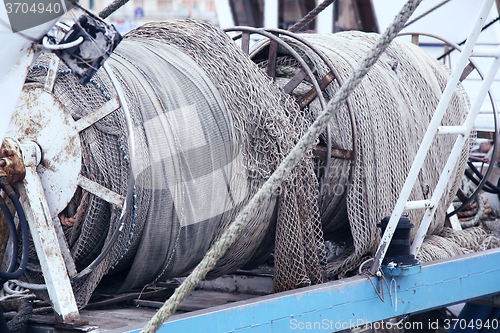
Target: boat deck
348 303
133 311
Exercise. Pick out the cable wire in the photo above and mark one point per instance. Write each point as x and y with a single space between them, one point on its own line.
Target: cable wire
24 232
426 13
13 236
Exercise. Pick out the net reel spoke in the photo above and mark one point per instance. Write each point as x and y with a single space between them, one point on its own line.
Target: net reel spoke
295 81
273 57
245 42
90 119
101 191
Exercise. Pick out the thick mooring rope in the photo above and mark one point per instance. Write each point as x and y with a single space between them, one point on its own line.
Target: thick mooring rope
273 183
111 8
310 16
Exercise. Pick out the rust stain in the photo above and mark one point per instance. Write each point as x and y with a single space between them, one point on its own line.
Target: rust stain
11 161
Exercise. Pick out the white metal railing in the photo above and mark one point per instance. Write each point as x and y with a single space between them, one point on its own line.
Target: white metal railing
434 129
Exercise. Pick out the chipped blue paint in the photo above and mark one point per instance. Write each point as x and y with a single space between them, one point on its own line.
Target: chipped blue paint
351 302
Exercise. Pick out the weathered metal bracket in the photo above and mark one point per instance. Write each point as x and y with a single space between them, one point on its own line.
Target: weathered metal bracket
47 246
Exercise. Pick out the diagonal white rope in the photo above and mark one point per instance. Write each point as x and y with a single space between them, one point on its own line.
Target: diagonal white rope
272 184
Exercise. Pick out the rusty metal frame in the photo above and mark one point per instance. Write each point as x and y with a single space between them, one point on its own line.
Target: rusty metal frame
273 35
271 71
325 81
468 69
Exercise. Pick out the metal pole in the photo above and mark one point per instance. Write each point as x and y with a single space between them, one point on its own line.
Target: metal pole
429 136
455 154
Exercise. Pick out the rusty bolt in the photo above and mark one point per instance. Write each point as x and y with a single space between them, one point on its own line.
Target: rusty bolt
11 164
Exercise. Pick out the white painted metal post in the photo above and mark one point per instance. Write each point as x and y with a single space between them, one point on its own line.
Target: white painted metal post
224 14
455 223
47 247
419 204
16 54
429 136
455 155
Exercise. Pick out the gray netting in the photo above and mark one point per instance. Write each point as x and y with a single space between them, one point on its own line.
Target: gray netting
210 128
449 243
392 107
268 124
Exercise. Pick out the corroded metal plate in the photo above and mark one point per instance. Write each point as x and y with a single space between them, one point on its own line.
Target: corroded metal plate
41 118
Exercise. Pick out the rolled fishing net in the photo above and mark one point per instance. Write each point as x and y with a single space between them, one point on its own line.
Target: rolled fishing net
392 108
210 127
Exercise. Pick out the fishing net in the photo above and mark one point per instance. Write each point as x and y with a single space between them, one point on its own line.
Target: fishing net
392 106
268 124
449 243
209 128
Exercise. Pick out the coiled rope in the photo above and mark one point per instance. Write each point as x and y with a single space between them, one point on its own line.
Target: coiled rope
272 184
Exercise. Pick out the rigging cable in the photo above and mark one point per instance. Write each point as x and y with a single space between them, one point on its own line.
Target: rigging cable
11 274
463 42
24 231
426 13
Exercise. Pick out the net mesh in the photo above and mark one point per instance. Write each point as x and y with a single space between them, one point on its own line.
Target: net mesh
211 127
266 137
392 106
